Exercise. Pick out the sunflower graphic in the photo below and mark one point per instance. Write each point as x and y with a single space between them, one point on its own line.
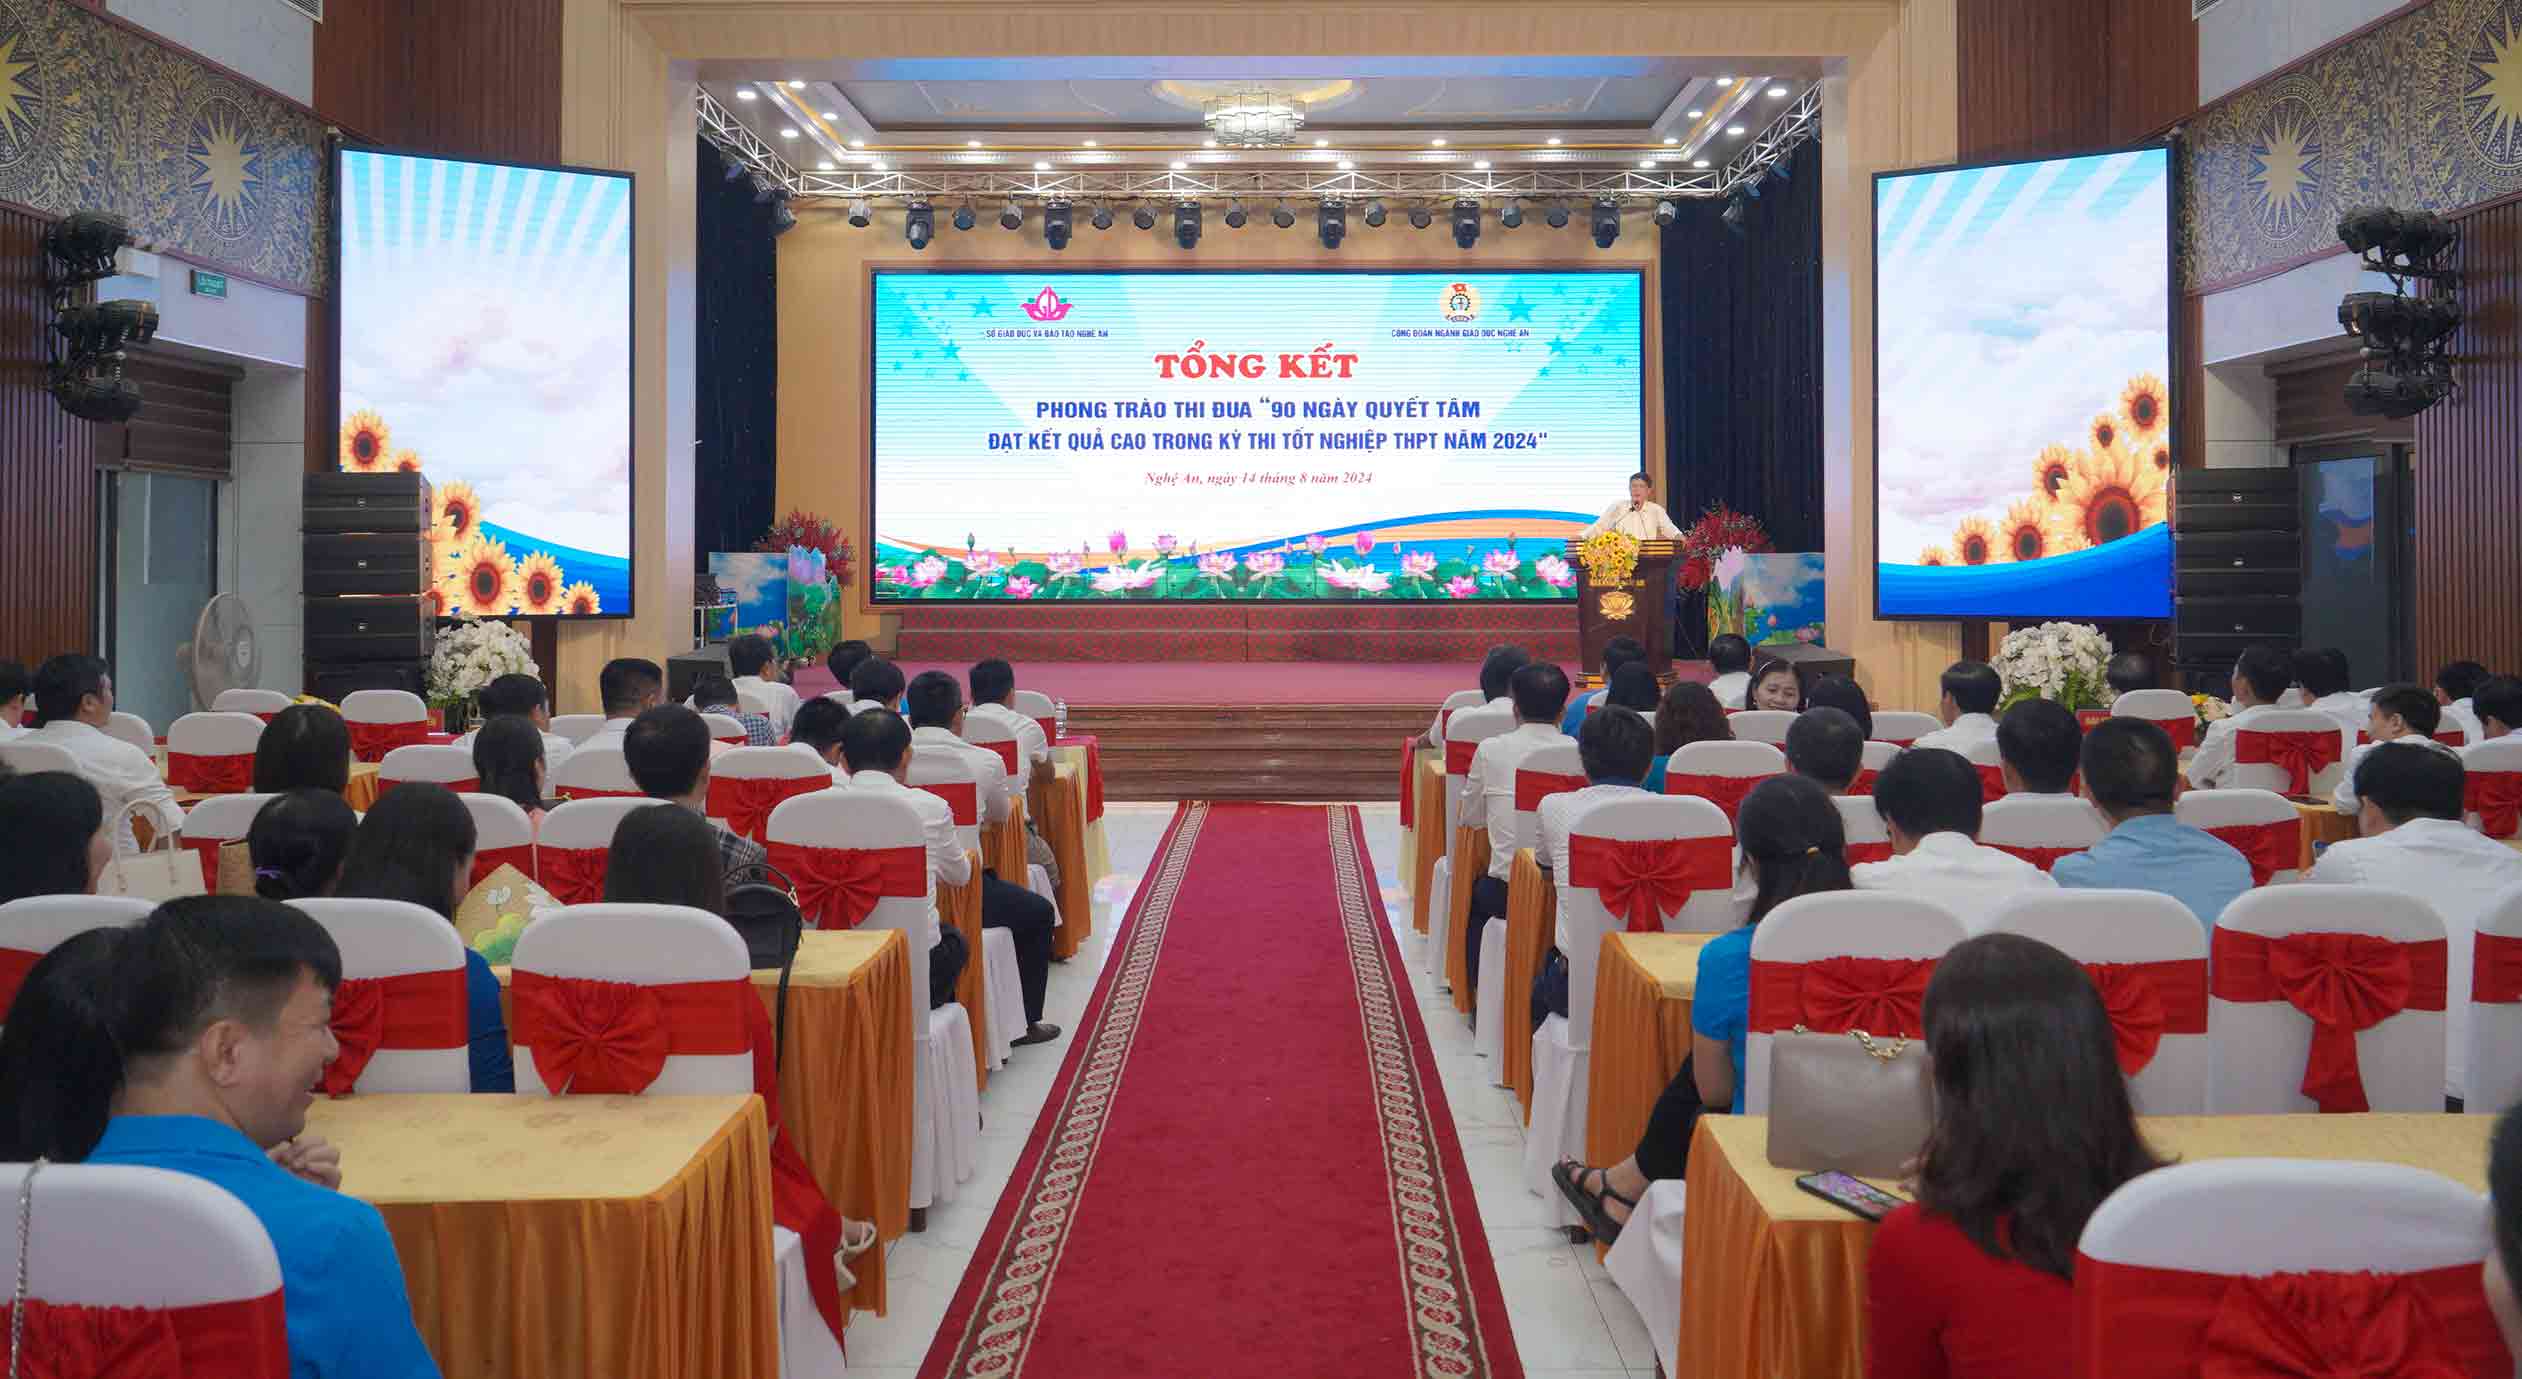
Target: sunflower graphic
2145 407
437 599
1975 542
459 513
407 461
364 440
579 600
539 584
2050 471
1935 555
2026 533
2160 453
2104 433
2114 493
485 577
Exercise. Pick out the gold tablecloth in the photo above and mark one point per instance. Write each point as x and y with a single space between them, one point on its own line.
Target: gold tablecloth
1773 1278
1077 755
2322 825
1059 809
960 906
361 792
1003 843
1642 989
1471 855
594 1236
1532 913
1427 833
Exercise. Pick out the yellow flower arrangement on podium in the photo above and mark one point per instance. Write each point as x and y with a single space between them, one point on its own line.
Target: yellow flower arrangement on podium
1609 558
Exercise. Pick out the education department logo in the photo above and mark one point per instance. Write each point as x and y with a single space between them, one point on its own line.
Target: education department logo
1462 303
1047 306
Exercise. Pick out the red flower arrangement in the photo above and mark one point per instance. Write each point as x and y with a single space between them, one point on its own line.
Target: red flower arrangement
1717 531
803 528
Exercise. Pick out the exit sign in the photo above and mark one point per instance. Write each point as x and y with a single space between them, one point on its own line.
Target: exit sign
208 284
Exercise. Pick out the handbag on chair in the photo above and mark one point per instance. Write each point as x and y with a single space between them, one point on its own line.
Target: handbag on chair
1849 1102
162 872
763 910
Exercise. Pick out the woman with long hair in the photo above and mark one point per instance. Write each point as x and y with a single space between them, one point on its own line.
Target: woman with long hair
1846 695
59 1068
417 845
2033 1128
55 824
1793 845
297 842
305 746
1632 687
1689 713
508 759
1775 685
666 856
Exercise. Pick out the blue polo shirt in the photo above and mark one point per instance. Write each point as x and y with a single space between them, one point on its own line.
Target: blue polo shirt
2156 852
341 1284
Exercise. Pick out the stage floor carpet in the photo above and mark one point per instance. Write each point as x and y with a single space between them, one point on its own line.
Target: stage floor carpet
1247 1166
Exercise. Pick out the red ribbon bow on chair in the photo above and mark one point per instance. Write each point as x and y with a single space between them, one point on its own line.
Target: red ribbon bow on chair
2496 798
2495 974
590 1037
1835 995
1991 783
1532 787
1458 757
371 741
837 888
2344 982
962 797
1725 792
574 876
2148 1000
2269 848
2041 857
1006 749
1864 782
489 860
1644 881
210 775
746 802
2327 1326
248 1338
416 1010
2299 754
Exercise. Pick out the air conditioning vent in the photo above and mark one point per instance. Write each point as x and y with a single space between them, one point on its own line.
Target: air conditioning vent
314 9
2197 8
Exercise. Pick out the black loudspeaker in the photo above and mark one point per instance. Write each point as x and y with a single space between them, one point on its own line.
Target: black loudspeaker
1811 660
2237 568
392 502
329 682
369 629
684 667
365 564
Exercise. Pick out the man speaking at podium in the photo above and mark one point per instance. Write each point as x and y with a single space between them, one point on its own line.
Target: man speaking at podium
1641 516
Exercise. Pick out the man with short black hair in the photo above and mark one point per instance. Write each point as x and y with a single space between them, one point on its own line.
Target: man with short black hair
874 683
629 687
222 1009
1497 665
14 684
2498 705
2409 812
2128 670
519 695
2261 674
1640 517
844 658
2397 713
2131 774
993 700
754 665
74 696
818 730
1968 708
2037 742
667 751
937 714
876 747
1929 800
1616 745
1540 693
1731 656
1825 745
2322 675
1617 652
717 694
2455 686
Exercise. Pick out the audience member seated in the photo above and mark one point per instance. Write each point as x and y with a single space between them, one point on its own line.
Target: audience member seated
2324 677
14 686
2037 742
2413 840
303 747
1841 693
717 694
1497 666
2397 713
297 842
1689 713
1615 744
755 666
2498 707
1972 1280
1793 845
818 730
2131 774
74 698
519 695
1929 800
667 751
2128 670
508 761
1617 653
1633 687
876 746
222 1014
993 697
1825 746
416 845
666 857
2455 687
1731 656
937 713
841 660
876 683
2260 674
629 687
1968 707
2504 1200
1775 686
58 1065
1540 691
55 824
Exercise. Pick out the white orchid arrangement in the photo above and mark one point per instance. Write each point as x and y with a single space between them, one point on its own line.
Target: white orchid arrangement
473 653
2056 660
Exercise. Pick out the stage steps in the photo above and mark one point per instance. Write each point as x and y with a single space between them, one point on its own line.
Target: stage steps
1347 753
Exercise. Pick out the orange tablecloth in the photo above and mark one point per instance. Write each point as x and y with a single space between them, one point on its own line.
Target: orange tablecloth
1642 989
1003 844
1094 770
361 792
2322 825
1773 1278
1532 913
1471 854
594 1236
1427 832
960 906
1059 809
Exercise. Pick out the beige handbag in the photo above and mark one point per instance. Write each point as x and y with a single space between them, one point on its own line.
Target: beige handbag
1848 1102
166 871
236 869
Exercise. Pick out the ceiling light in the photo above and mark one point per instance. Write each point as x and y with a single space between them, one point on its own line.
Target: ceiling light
1331 222
1556 215
1698 162
1102 216
1736 209
745 93
831 114
919 224
876 166
1735 130
1666 212
1208 143
1255 118
1322 143
1375 214
788 134
1236 215
1056 225
1346 166
1672 138
1646 165
858 215
1481 166
971 143
1420 218
1040 166
857 143
1466 223
1777 93
1606 222
1555 141
1012 217
963 216
1513 216
824 166
1692 114
1143 218
1186 224
1178 165
1090 143
1724 81
1435 143
783 219
1281 216
796 86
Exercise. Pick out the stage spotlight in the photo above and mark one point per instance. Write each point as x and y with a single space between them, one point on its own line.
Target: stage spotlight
1513 216
1666 212
111 398
1421 217
1606 222
1375 214
93 332
783 219
1236 215
1186 224
1143 216
1283 217
1056 224
1736 210
733 170
2415 237
858 215
1779 171
1556 216
963 216
764 191
87 242
1103 216
919 224
1466 223
1332 223
1012 218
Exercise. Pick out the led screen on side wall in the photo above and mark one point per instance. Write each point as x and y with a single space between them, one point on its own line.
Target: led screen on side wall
1222 435
485 341
2023 457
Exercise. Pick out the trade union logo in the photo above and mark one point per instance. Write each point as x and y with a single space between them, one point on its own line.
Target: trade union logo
1462 303
1047 306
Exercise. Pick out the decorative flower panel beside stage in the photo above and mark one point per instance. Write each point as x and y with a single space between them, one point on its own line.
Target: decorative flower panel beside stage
1248 435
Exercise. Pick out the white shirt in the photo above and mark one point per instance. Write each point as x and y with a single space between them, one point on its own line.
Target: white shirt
985 765
2348 708
2343 799
556 748
1730 688
2456 871
779 700
2461 714
1645 521
947 861
10 732
2214 756
1030 743
1961 733
613 726
122 774
1954 871
1493 775
1556 814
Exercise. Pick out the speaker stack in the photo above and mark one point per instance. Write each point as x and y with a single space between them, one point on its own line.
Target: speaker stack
368 620
2237 554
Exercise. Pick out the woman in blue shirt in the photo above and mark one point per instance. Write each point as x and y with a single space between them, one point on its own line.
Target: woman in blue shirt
417 845
1688 714
1794 846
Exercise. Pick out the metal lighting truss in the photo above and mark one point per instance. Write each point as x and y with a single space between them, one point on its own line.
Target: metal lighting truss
1402 185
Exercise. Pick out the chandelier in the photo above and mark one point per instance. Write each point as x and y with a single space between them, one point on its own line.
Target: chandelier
1254 119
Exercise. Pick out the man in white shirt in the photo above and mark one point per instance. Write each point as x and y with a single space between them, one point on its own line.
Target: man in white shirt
2038 744
2323 675
755 667
1968 708
937 714
2399 713
1825 746
629 687
1640 517
2454 686
993 694
521 695
876 748
2260 675
2499 707
74 696
1929 800
2413 840
1496 668
13 688
1731 655
1617 745
1540 693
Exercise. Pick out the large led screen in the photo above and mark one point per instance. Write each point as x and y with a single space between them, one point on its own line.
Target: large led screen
486 342
2023 461
1054 436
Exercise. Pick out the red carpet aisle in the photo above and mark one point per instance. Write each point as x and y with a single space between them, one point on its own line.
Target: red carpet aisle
1247 1167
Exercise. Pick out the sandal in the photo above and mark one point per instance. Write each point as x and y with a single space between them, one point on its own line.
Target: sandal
1569 1175
857 1238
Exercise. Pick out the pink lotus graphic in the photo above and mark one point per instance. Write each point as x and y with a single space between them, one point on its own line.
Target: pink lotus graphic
1418 564
1217 564
1021 588
1365 542
1047 306
1461 587
1265 564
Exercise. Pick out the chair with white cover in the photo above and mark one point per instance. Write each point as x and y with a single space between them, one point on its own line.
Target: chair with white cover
27 755
1546 771
859 860
34 925
982 731
595 771
2492 1073
503 835
575 846
1900 727
2262 1247
577 727
261 703
750 701
727 729
400 1014
212 753
1041 708
1722 772
1455 703
2375 963
2290 751
108 1238
2491 787
2262 825
381 720
1985 759
132 728
213 824
1882 944
1636 864
1875 756
2167 709
1862 824
948 778
1761 725
449 766
2040 829
1464 732
2148 956
841 696
747 783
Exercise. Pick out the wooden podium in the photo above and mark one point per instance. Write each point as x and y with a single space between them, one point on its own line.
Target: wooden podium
1639 606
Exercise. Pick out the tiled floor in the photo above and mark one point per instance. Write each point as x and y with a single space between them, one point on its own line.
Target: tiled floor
1569 1321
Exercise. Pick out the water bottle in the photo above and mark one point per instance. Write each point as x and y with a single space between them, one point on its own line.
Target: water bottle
1059 715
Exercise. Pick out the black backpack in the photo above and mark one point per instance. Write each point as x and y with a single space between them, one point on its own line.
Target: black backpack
762 908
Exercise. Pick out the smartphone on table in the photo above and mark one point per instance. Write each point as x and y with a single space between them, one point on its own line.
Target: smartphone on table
1854 1194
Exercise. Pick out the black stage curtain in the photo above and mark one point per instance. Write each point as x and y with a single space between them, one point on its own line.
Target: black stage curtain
736 373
